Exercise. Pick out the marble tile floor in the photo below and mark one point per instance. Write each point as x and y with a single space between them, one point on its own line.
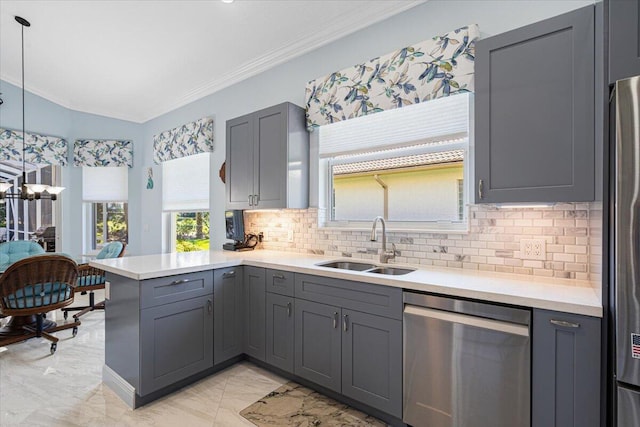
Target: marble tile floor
65 389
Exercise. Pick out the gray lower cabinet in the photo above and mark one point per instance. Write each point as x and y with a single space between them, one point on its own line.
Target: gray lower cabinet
372 360
534 112
176 342
254 312
624 39
280 332
565 370
318 344
228 299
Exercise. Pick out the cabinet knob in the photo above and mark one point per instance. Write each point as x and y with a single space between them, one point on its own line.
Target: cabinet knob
288 309
335 319
279 276
178 282
231 273
250 200
345 323
481 189
209 306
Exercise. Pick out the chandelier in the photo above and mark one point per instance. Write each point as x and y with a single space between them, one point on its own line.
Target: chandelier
27 191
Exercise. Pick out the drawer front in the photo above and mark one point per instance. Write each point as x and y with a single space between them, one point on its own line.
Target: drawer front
165 290
280 282
374 299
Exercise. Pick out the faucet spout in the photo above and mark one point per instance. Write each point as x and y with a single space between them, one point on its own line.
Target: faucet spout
385 255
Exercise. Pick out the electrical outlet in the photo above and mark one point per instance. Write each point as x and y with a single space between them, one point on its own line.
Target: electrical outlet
533 249
290 236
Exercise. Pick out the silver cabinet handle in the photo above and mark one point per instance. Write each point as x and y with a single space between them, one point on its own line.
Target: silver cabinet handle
209 306
481 188
175 282
335 319
257 199
288 309
231 273
250 200
345 323
279 276
564 323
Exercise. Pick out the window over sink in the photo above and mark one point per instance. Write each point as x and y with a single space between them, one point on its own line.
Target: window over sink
408 165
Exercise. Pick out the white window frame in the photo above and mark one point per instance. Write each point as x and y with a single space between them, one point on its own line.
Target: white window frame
321 191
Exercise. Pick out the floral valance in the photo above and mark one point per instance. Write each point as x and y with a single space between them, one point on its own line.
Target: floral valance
102 153
40 149
434 68
186 140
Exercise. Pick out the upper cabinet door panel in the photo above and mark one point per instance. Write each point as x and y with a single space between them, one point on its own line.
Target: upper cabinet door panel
535 112
624 39
239 164
271 177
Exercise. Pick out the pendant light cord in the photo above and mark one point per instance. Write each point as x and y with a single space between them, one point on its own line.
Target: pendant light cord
24 136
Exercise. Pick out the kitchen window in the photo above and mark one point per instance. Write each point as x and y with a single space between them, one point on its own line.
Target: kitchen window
185 202
407 165
105 195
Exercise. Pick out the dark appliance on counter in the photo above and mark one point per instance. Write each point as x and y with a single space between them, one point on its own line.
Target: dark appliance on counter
626 252
234 224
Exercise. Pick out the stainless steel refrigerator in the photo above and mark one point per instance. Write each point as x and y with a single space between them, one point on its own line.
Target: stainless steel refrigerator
626 248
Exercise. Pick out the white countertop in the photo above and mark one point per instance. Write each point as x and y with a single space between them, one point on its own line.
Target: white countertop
564 295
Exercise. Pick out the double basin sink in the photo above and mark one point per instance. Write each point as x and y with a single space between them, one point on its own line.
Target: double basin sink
366 267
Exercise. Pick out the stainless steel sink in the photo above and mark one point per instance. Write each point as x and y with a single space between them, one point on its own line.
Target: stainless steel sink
348 265
392 271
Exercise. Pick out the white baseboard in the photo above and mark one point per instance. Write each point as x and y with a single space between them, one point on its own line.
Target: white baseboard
123 389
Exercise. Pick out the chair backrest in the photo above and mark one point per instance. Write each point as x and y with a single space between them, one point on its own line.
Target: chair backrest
37 284
111 250
16 250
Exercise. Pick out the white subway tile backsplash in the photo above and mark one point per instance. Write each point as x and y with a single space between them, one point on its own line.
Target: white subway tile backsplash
573 233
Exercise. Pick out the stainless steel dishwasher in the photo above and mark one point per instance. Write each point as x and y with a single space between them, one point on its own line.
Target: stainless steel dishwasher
466 364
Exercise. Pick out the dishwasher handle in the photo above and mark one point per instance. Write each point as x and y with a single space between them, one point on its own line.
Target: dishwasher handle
478 322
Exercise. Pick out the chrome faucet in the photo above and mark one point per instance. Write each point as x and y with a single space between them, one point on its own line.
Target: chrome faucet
385 255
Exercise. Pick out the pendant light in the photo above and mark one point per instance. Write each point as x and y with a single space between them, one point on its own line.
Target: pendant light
27 191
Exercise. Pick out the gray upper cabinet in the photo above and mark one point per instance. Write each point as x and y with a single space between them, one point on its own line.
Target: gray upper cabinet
318 343
227 296
624 39
254 312
534 112
372 360
566 370
267 164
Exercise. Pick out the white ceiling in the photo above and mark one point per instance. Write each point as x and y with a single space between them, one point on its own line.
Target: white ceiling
136 60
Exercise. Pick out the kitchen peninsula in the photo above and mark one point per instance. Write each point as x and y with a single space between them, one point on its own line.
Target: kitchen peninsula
174 318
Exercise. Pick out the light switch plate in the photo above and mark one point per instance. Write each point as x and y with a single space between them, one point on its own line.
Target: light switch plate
533 249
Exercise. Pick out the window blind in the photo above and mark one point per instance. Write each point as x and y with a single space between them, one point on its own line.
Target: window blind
185 184
430 122
108 184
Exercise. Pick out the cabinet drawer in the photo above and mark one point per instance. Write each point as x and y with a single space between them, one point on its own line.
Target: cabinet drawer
373 299
165 290
280 282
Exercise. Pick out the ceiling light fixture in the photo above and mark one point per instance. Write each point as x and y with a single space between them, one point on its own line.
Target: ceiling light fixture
227 1
27 191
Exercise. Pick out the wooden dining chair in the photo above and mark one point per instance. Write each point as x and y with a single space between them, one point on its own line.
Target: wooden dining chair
35 286
92 278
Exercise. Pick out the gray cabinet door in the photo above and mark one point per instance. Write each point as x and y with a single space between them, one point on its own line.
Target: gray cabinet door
624 39
227 297
254 312
534 112
176 342
280 332
318 343
372 361
270 157
566 370
239 162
